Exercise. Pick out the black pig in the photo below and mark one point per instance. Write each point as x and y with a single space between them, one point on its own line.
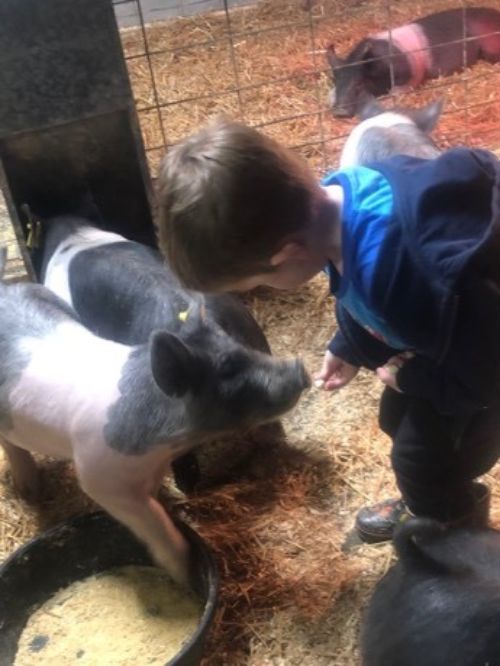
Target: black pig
427 48
440 604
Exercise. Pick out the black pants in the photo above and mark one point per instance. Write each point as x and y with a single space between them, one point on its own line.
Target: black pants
435 458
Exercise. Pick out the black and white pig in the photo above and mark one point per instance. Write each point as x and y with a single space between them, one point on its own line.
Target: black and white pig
440 604
427 48
123 413
384 132
123 291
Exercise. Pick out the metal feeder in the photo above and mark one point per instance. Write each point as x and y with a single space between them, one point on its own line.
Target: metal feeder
68 125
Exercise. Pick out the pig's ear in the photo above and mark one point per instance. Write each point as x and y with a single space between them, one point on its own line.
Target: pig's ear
366 53
172 363
371 107
426 118
332 57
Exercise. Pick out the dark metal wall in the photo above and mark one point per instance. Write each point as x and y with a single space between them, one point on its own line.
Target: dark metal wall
68 126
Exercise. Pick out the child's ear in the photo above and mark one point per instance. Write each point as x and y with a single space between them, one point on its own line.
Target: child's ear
292 250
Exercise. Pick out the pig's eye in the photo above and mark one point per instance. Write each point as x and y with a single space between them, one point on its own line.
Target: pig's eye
231 366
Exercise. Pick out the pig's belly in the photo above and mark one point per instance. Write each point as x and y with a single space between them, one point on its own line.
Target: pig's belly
33 436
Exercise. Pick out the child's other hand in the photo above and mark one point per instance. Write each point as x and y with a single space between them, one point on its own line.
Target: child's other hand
388 373
335 373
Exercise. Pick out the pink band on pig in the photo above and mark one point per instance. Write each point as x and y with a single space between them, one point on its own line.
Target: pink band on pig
412 41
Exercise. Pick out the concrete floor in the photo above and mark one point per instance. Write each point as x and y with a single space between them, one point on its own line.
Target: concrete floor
128 15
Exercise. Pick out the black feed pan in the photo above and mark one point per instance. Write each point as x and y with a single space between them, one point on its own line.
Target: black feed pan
81 547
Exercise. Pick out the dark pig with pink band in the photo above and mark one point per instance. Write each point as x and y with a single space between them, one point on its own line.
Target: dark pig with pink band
435 45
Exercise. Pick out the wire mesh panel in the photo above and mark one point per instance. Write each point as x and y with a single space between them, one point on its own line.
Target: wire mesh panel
265 64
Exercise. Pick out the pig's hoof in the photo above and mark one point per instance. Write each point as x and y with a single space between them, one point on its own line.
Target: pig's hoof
178 571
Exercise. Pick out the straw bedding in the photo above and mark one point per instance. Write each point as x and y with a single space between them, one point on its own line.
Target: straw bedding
292 593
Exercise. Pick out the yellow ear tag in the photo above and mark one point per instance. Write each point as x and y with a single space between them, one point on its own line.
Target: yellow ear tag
33 227
183 315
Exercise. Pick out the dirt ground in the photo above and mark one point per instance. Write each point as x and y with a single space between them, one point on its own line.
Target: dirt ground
292 594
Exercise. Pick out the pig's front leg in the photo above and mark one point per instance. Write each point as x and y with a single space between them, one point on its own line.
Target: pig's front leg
130 501
25 475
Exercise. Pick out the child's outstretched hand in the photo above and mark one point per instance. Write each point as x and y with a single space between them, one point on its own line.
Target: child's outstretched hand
335 373
388 373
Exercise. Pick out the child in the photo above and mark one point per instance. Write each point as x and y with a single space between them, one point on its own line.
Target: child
410 247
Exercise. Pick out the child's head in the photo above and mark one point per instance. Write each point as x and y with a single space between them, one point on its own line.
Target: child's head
234 210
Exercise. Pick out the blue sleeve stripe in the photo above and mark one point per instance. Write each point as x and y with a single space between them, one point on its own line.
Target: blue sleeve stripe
367 212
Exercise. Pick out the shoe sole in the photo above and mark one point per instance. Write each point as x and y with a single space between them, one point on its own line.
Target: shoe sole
373 537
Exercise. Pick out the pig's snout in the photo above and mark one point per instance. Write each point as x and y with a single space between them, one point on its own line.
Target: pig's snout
342 112
338 110
292 379
295 375
261 390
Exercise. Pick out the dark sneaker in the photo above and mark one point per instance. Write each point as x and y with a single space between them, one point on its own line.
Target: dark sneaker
376 523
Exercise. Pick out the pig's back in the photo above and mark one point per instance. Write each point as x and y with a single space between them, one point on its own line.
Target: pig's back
383 136
441 26
445 32
26 310
382 143
53 372
123 291
61 390
31 307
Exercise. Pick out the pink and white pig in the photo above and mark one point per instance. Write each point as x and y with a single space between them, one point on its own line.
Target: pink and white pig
429 47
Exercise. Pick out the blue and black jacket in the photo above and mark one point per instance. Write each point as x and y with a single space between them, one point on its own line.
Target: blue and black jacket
421 272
